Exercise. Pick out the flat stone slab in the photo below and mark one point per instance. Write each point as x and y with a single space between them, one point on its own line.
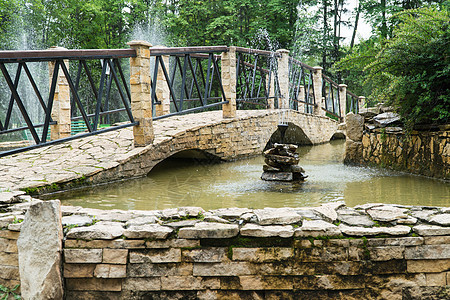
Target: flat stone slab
387 213
142 221
443 220
308 213
76 220
278 160
357 220
184 223
10 197
328 210
147 231
98 231
204 230
277 176
431 230
317 228
181 212
277 216
423 214
230 213
254 230
364 231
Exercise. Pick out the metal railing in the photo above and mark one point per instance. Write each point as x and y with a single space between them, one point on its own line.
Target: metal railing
256 78
101 67
330 91
182 80
301 86
192 78
352 102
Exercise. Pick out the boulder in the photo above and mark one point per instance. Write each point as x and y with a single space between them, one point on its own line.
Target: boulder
386 118
39 246
353 152
355 126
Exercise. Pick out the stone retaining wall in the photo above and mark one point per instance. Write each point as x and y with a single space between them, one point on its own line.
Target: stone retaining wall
9 263
422 152
425 153
372 251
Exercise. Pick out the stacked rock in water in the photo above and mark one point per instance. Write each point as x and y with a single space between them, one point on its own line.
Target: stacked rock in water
282 164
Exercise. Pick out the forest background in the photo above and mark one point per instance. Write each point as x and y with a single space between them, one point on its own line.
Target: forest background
405 61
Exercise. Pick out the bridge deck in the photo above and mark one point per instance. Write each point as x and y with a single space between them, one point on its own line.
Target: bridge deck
90 155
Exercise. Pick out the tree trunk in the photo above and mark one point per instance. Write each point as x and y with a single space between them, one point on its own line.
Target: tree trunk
325 35
355 28
384 30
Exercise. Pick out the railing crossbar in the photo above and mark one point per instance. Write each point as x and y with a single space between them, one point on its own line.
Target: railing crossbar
75 94
125 103
19 102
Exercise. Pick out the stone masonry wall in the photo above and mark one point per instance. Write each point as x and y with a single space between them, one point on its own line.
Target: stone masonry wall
372 251
9 233
421 152
425 153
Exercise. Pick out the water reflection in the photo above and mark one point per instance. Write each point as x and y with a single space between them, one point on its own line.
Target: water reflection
238 184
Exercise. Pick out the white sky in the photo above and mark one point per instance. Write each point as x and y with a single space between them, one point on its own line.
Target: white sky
364 29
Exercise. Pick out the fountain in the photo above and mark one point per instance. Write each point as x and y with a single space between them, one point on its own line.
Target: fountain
282 160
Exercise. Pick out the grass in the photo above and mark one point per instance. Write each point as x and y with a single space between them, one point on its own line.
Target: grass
6 293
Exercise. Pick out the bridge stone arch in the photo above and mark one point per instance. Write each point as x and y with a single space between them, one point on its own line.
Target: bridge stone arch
226 139
113 156
293 135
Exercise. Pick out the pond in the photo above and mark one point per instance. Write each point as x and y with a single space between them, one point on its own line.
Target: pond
181 182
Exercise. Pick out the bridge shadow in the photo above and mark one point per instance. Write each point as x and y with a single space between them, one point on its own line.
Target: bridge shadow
294 135
197 155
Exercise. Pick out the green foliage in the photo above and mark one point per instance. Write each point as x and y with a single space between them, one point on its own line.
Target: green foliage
6 293
232 22
412 69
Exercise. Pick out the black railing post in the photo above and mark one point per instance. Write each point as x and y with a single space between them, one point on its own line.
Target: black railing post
162 91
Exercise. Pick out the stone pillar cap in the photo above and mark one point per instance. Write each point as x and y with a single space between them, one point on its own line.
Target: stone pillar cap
282 51
139 43
362 97
317 68
343 85
57 48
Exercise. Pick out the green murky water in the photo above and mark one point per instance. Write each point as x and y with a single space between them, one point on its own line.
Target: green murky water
237 184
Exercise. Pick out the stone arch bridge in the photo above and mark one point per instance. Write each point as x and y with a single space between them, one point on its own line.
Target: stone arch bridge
112 156
159 101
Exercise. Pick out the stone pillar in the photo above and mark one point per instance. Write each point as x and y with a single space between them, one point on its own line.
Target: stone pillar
162 89
301 97
229 82
317 86
39 249
271 100
283 78
343 99
141 103
61 102
361 102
